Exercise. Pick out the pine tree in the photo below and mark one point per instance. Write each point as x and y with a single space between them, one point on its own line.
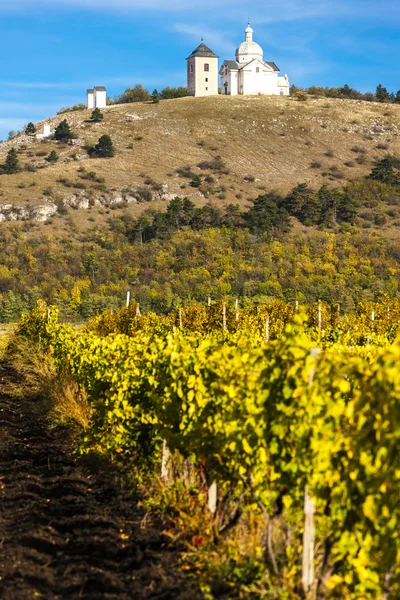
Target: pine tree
397 97
155 97
30 129
382 94
53 156
103 149
63 132
11 164
385 171
97 115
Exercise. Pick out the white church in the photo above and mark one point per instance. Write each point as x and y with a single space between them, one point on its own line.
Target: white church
247 74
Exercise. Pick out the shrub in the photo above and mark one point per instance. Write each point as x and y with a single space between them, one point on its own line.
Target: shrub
196 181
69 109
63 132
97 116
136 94
53 157
316 164
30 129
329 153
11 164
103 149
301 96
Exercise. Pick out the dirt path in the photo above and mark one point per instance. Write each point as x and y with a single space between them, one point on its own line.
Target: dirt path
65 534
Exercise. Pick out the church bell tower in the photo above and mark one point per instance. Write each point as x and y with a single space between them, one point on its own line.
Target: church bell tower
202 72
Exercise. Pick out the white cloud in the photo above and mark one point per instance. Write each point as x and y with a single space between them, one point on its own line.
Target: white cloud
260 11
211 37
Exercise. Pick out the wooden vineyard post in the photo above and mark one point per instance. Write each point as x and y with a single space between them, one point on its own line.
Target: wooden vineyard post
180 317
224 316
338 311
267 329
209 300
138 310
165 464
296 306
237 309
308 545
128 299
309 519
48 315
212 498
319 316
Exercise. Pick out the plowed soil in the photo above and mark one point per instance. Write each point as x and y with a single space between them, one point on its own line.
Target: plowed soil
66 533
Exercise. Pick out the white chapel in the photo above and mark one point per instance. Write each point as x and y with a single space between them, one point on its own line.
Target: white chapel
248 74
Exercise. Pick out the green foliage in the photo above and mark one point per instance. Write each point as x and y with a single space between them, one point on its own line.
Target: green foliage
261 420
382 95
74 108
53 157
169 93
11 164
103 149
30 129
63 132
155 97
97 116
135 94
266 217
196 181
386 171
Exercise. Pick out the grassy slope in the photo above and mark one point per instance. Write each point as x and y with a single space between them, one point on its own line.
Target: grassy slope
274 139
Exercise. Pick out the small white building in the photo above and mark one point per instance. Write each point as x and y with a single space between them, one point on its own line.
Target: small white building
202 72
250 74
97 98
46 132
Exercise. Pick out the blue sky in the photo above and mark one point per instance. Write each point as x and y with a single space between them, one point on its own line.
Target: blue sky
54 49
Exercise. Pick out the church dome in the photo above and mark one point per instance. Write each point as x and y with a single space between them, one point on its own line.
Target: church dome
248 50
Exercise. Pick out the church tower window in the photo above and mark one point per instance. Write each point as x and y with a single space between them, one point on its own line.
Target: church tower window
207 67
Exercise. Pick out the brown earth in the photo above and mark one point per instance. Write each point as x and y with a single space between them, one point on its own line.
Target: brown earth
66 533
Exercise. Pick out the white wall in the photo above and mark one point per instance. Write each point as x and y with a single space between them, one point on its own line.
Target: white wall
90 100
100 99
201 82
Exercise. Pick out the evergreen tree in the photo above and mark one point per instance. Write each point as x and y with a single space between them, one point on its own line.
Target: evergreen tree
63 132
266 217
155 97
103 149
11 164
97 116
382 94
386 171
397 97
196 181
303 203
30 129
53 156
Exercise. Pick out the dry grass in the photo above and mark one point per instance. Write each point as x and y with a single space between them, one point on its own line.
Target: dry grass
154 140
60 395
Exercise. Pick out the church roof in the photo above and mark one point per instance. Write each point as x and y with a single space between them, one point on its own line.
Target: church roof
272 65
203 51
232 64
100 89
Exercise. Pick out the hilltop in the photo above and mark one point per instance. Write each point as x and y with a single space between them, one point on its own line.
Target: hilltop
244 145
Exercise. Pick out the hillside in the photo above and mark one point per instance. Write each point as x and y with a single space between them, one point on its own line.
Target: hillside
264 143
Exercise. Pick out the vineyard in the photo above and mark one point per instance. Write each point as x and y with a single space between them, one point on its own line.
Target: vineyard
280 414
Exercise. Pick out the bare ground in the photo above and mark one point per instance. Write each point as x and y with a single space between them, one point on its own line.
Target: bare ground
66 533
